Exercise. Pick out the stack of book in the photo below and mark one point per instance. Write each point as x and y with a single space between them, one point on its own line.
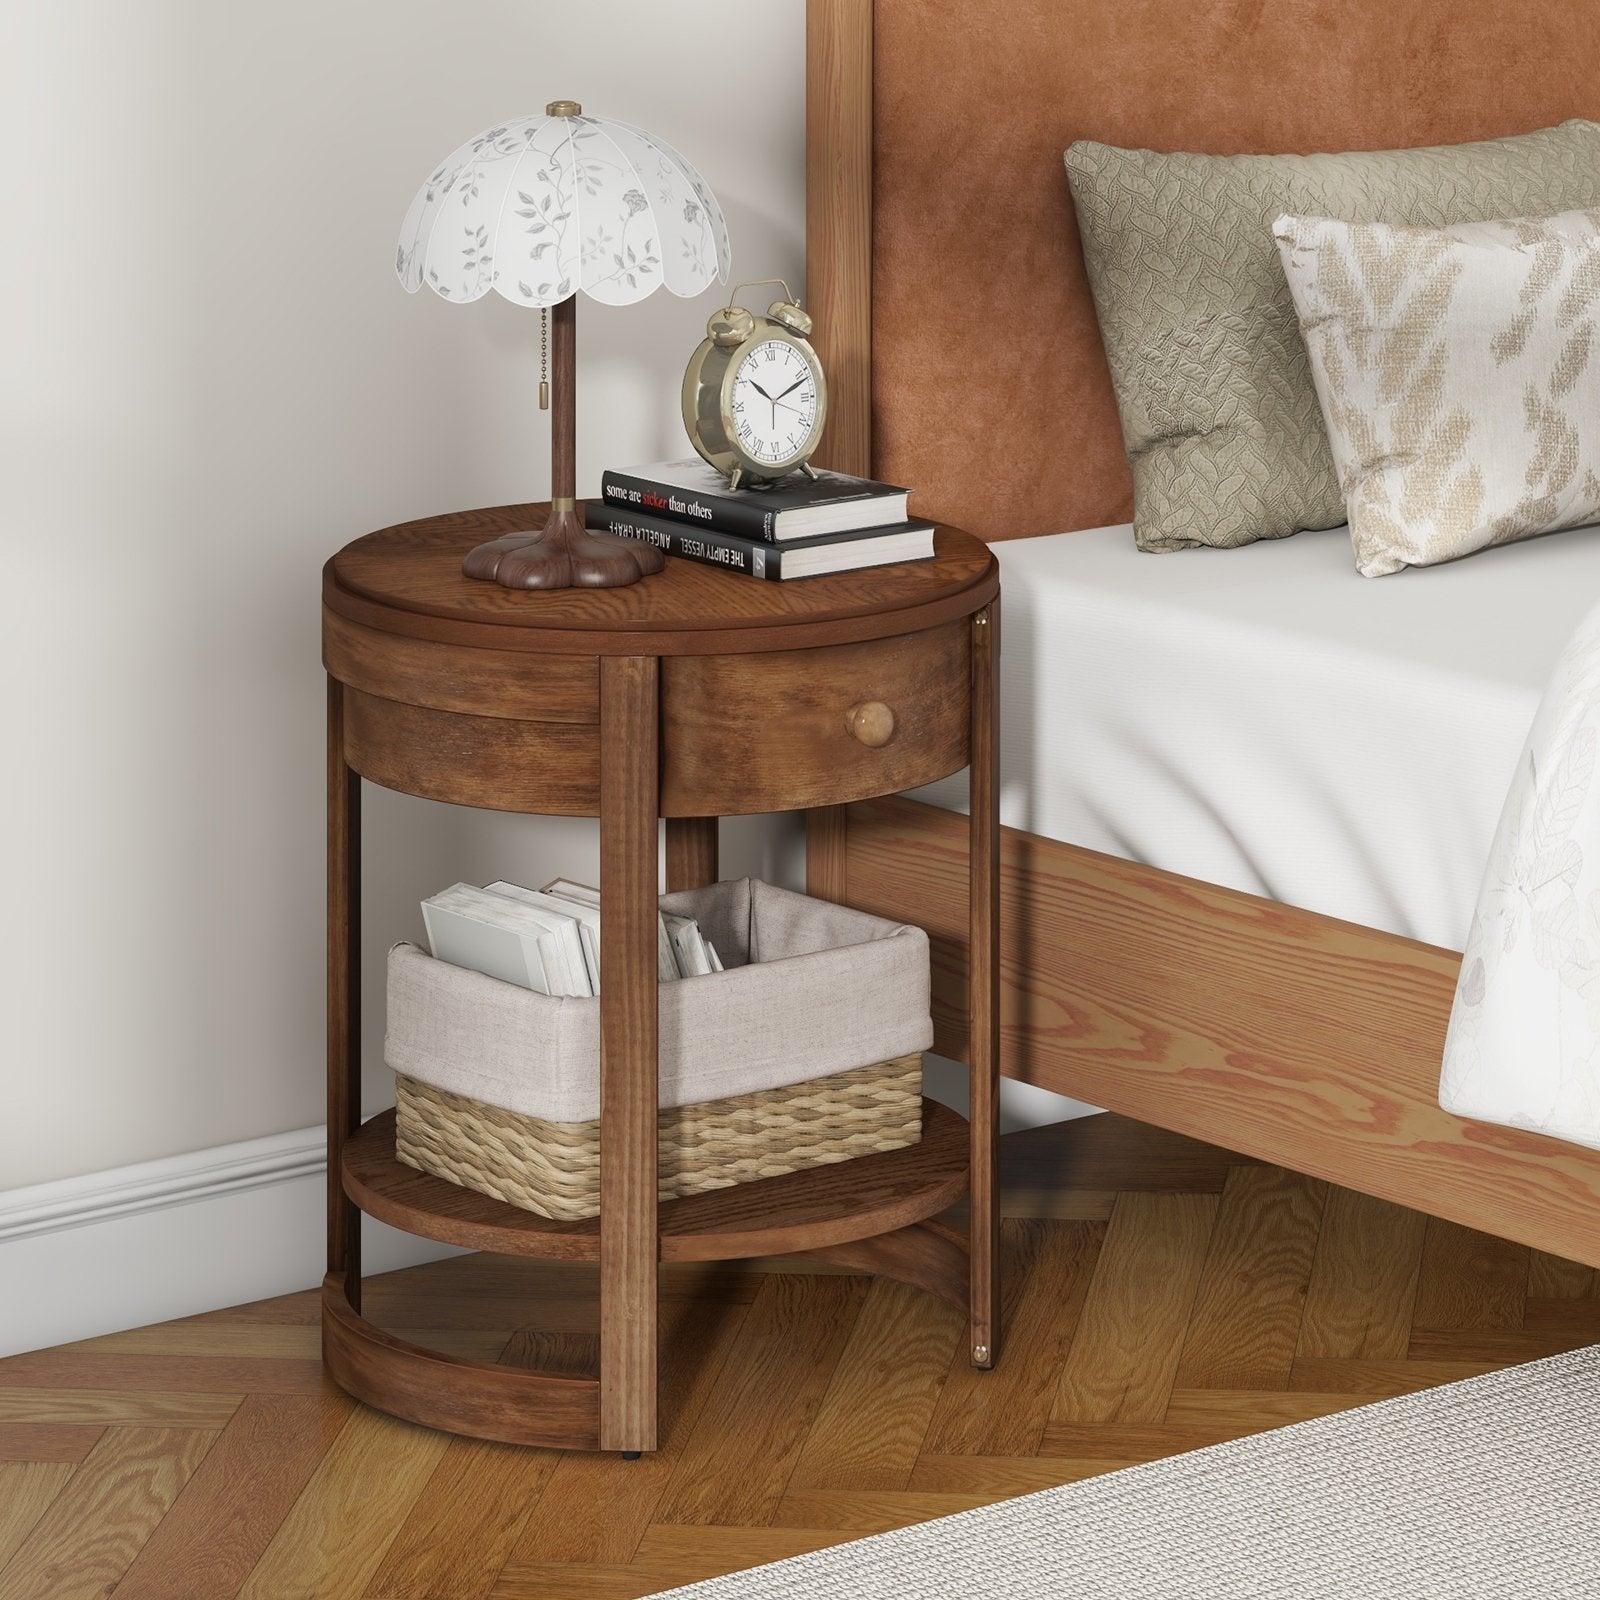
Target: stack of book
799 528
548 939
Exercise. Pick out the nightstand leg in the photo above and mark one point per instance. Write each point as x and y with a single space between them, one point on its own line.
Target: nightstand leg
691 852
629 1036
826 856
344 995
983 993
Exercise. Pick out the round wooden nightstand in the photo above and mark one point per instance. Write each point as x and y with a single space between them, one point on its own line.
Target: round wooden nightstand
690 696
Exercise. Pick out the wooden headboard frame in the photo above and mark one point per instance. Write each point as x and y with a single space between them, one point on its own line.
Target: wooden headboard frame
942 258
839 220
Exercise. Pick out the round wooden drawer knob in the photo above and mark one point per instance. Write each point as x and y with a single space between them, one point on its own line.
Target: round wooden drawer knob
870 722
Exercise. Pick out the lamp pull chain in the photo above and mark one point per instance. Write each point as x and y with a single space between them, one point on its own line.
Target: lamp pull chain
544 359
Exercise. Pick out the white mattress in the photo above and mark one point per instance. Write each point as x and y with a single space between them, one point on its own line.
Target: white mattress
1267 719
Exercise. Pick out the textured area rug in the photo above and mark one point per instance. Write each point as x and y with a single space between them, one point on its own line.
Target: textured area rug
1486 1487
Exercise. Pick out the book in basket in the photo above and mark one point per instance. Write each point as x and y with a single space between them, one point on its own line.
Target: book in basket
493 933
671 947
547 940
798 507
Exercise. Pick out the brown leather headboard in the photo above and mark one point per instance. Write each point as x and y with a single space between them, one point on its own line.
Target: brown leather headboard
943 262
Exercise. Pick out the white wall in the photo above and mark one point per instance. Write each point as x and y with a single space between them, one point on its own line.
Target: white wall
211 381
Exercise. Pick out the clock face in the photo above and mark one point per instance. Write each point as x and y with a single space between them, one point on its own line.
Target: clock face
773 400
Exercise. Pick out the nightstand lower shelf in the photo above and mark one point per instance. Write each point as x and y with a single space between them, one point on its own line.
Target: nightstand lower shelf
801 1211
870 1214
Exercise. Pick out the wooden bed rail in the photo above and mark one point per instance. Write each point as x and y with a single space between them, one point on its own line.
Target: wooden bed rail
1273 1031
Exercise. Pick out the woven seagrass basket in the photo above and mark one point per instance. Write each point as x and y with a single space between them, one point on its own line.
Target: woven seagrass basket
806 1051
554 1167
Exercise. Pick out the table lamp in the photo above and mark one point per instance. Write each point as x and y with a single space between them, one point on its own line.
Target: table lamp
537 209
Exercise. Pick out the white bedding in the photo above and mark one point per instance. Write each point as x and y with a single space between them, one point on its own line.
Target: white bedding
1524 1040
1266 718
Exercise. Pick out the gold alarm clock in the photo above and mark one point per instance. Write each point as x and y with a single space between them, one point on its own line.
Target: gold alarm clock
754 394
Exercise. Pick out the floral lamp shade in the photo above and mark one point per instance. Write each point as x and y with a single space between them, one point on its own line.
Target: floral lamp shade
537 209
543 206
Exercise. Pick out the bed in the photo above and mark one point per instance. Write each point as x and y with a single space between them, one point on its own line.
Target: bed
1362 777
1279 985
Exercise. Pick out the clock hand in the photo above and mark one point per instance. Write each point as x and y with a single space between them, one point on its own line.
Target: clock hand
768 398
792 387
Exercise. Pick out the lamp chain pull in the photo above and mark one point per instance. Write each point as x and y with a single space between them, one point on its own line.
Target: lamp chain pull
544 359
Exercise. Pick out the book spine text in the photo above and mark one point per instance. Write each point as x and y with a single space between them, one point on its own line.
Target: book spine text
749 556
623 492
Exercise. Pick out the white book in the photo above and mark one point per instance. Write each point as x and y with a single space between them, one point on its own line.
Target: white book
588 919
688 946
470 927
566 889
589 932
584 903
584 894
558 919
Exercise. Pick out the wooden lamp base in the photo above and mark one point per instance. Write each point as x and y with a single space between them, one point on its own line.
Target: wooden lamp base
563 555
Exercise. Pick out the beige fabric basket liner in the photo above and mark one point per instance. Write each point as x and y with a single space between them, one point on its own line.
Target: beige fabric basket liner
812 990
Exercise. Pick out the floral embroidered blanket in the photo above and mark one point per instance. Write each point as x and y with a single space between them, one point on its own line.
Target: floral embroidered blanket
1523 1047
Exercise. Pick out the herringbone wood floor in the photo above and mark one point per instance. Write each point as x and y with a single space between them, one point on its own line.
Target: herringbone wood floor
1161 1296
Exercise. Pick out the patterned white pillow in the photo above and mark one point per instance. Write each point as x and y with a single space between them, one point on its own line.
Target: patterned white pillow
1459 374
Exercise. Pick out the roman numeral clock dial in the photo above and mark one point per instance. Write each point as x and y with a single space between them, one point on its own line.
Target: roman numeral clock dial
774 403
754 396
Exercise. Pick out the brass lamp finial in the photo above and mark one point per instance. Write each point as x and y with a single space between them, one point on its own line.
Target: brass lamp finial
563 108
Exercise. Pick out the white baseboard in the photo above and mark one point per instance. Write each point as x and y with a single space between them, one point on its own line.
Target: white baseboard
219 1227
170 1238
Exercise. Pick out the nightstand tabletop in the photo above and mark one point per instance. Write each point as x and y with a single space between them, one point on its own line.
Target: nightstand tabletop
407 579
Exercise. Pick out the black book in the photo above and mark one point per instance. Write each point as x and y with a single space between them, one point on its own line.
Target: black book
796 558
797 507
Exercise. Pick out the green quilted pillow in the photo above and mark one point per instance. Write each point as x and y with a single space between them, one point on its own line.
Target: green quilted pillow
1219 413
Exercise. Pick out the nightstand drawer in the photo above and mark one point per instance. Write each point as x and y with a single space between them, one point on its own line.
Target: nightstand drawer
800 728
